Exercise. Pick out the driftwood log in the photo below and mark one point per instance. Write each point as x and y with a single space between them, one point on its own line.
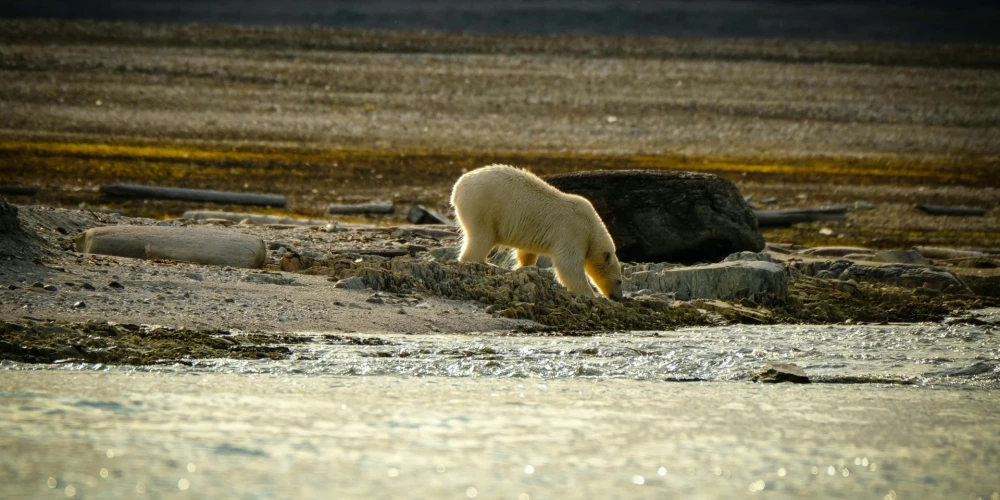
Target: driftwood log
173 193
785 218
949 210
360 208
15 190
198 245
255 218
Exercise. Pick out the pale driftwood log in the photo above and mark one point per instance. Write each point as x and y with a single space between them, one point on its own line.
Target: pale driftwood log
948 210
360 208
255 218
188 244
785 218
948 253
173 193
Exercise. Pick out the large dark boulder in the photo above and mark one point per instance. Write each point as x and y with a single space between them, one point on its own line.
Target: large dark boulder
667 216
8 218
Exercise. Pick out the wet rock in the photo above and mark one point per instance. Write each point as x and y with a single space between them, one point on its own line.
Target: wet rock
201 246
352 283
902 257
969 371
758 281
79 304
668 216
50 288
781 372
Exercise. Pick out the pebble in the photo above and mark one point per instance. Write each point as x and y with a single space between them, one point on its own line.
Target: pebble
79 304
375 299
50 288
88 287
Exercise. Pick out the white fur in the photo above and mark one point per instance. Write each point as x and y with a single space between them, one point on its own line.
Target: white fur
505 206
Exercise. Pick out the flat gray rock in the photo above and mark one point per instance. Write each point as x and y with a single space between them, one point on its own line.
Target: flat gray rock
759 281
773 373
667 215
188 244
901 275
902 257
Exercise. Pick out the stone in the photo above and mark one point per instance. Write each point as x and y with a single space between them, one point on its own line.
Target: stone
667 216
907 276
902 257
773 373
352 283
188 244
420 214
116 285
758 281
79 304
901 275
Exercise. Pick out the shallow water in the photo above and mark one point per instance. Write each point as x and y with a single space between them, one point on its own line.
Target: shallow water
492 416
927 353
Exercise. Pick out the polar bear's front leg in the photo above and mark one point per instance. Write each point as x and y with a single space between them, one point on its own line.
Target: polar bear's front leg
570 272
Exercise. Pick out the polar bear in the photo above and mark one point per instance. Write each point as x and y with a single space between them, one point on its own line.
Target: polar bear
500 205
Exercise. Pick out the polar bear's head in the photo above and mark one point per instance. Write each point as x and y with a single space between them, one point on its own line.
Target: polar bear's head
605 271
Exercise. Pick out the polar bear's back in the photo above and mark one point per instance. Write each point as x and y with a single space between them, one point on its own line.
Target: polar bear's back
518 208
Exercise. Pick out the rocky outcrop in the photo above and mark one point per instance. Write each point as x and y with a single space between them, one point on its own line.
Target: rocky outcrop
668 216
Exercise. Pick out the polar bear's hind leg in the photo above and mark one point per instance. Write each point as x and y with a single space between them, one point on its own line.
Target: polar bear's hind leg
527 258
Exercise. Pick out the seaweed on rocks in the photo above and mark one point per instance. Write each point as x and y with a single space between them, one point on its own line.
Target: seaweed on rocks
97 342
